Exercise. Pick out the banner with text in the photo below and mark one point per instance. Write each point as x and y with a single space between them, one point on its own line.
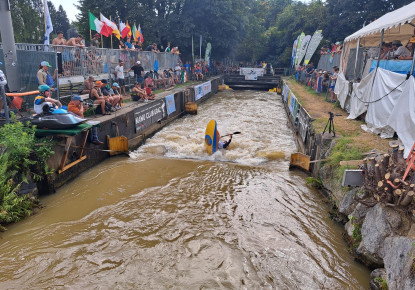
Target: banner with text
170 104
202 90
244 71
150 114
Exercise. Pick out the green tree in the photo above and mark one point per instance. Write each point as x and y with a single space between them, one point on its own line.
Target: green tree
27 18
59 18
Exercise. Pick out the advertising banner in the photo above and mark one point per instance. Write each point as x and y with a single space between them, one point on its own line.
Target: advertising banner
251 77
202 90
170 104
146 116
244 71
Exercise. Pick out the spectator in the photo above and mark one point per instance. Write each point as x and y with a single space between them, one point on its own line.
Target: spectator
386 51
45 99
115 93
399 49
333 79
128 44
87 85
133 45
410 48
44 78
77 107
138 69
139 46
152 48
138 93
119 74
168 49
149 93
95 41
178 72
96 96
106 92
59 40
122 45
76 41
148 79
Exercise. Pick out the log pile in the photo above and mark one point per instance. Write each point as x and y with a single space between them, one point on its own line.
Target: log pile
383 179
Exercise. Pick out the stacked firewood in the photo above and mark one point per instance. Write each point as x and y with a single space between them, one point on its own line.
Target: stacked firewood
383 178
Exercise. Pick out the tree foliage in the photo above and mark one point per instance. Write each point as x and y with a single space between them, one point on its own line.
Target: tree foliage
59 19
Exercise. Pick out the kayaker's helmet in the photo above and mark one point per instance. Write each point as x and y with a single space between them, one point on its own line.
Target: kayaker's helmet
43 88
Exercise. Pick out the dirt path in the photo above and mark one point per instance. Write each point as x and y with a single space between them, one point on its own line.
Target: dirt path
318 109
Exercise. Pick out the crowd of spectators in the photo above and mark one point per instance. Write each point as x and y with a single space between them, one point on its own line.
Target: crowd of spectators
332 49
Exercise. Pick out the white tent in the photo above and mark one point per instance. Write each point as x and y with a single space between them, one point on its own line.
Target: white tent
397 25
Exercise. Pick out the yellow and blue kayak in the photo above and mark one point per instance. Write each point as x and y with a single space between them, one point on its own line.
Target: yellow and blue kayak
211 137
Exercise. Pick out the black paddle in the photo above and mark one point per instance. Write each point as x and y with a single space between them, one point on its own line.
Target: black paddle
234 133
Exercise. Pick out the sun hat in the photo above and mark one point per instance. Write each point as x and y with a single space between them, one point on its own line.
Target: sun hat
98 84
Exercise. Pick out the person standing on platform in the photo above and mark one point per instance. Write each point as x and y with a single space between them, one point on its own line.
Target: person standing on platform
119 74
138 69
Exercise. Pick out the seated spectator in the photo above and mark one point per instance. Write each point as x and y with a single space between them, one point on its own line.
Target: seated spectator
116 95
105 89
399 50
138 93
87 86
198 72
159 81
148 79
43 76
386 51
149 93
169 78
98 98
45 99
409 46
77 107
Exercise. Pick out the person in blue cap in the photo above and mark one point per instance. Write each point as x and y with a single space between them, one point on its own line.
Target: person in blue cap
45 99
76 106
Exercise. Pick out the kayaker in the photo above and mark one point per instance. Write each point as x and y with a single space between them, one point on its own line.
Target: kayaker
223 145
45 99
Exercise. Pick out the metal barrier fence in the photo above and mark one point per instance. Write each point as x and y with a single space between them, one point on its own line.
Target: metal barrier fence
327 62
76 61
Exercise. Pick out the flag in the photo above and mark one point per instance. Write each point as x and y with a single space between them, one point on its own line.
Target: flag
129 29
108 22
116 32
94 23
49 26
134 31
141 34
125 30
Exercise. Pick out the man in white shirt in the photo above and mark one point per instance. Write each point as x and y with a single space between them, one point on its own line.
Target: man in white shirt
399 49
119 74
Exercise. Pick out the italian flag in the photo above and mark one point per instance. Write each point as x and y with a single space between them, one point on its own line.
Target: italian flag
94 23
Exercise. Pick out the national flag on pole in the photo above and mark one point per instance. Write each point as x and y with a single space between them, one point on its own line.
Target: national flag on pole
49 26
124 29
141 37
94 23
108 22
129 28
134 32
116 32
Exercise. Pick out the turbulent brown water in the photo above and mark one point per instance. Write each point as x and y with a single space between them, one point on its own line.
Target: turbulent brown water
170 216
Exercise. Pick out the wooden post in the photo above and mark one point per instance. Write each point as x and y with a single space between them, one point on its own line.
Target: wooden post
407 199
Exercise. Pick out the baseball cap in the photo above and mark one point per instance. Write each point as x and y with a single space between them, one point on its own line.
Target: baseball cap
45 63
76 98
138 62
116 85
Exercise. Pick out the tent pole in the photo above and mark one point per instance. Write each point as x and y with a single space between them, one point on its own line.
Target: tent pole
380 47
357 56
413 59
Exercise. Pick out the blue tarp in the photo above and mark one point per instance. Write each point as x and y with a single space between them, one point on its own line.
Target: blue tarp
398 66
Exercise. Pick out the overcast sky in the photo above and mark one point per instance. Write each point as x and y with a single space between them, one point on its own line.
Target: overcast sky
71 10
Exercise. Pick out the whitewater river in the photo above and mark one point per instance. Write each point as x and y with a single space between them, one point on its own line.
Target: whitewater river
170 216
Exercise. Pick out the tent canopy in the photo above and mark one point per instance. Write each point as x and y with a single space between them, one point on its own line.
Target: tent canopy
393 23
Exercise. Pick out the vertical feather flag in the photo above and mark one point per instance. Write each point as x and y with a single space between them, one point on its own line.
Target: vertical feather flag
141 34
129 28
48 24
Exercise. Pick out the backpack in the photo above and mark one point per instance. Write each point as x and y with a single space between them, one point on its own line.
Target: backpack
108 108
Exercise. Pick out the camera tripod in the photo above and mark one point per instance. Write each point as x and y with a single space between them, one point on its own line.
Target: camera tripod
330 125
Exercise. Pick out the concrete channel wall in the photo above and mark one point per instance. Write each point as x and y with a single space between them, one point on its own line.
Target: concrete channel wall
136 121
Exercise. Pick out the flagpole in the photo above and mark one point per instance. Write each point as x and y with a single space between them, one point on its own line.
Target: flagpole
111 34
90 35
44 16
102 42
